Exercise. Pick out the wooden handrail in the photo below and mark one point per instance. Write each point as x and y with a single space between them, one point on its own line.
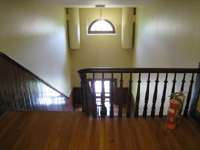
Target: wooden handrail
139 70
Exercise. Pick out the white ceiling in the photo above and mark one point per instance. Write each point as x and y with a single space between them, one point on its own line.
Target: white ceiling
92 3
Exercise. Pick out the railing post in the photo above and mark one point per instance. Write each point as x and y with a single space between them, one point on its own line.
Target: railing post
146 97
137 97
103 108
163 96
120 97
195 95
82 92
183 82
155 97
129 97
173 86
111 98
94 109
188 97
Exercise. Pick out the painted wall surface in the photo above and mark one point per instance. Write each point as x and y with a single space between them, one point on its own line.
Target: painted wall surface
99 50
167 35
33 33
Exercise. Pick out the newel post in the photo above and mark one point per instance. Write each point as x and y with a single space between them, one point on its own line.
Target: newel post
84 93
195 95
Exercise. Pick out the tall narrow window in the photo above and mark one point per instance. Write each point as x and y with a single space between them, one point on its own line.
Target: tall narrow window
101 26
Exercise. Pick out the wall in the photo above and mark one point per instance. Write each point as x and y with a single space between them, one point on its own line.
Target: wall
167 35
33 33
99 50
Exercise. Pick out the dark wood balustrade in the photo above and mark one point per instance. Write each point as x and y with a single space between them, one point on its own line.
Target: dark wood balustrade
20 89
88 96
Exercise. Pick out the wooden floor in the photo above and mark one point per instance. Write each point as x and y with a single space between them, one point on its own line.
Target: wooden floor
39 130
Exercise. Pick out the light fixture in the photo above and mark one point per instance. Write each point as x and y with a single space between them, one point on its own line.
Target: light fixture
100 6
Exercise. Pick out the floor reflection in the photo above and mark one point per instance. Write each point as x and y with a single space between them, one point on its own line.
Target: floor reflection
50 100
78 107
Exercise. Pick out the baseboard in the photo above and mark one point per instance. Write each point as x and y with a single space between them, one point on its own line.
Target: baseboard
3 111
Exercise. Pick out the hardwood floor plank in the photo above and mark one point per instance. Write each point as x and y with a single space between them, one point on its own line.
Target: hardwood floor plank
87 134
5 126
111 134
9 132
129 140
25 129
66 130
73 138
102 135
38 130
95 133
52 141
81 135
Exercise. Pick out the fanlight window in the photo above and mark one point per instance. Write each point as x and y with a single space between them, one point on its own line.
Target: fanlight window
101 26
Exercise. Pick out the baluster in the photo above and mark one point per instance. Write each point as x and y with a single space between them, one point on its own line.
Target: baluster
94 109
103 108
83 97
84 93
189 97
129 97
146 97
137 97
173 86
183 82
163 96
120 97
86 97
155 96
111 98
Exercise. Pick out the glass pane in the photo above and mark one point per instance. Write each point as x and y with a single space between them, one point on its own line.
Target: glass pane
98 100
98 94
107 99
98 86
101 25
107 94
107 86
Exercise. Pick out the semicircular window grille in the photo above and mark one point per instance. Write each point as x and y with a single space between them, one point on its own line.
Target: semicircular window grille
101 26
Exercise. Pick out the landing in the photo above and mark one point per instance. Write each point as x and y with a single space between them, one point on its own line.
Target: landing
39 130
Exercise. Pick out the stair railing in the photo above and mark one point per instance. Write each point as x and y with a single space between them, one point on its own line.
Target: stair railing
89 100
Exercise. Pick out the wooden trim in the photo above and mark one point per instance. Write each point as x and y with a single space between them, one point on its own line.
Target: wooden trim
14 62
3 111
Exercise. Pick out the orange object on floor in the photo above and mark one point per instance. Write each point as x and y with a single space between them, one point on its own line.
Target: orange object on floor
181 96
172 114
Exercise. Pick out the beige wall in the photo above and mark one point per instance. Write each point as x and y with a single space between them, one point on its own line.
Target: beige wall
99 50
167 35
33 33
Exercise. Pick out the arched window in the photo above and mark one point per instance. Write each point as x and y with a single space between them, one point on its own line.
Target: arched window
101 26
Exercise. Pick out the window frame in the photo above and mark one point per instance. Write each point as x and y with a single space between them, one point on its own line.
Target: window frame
101 32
